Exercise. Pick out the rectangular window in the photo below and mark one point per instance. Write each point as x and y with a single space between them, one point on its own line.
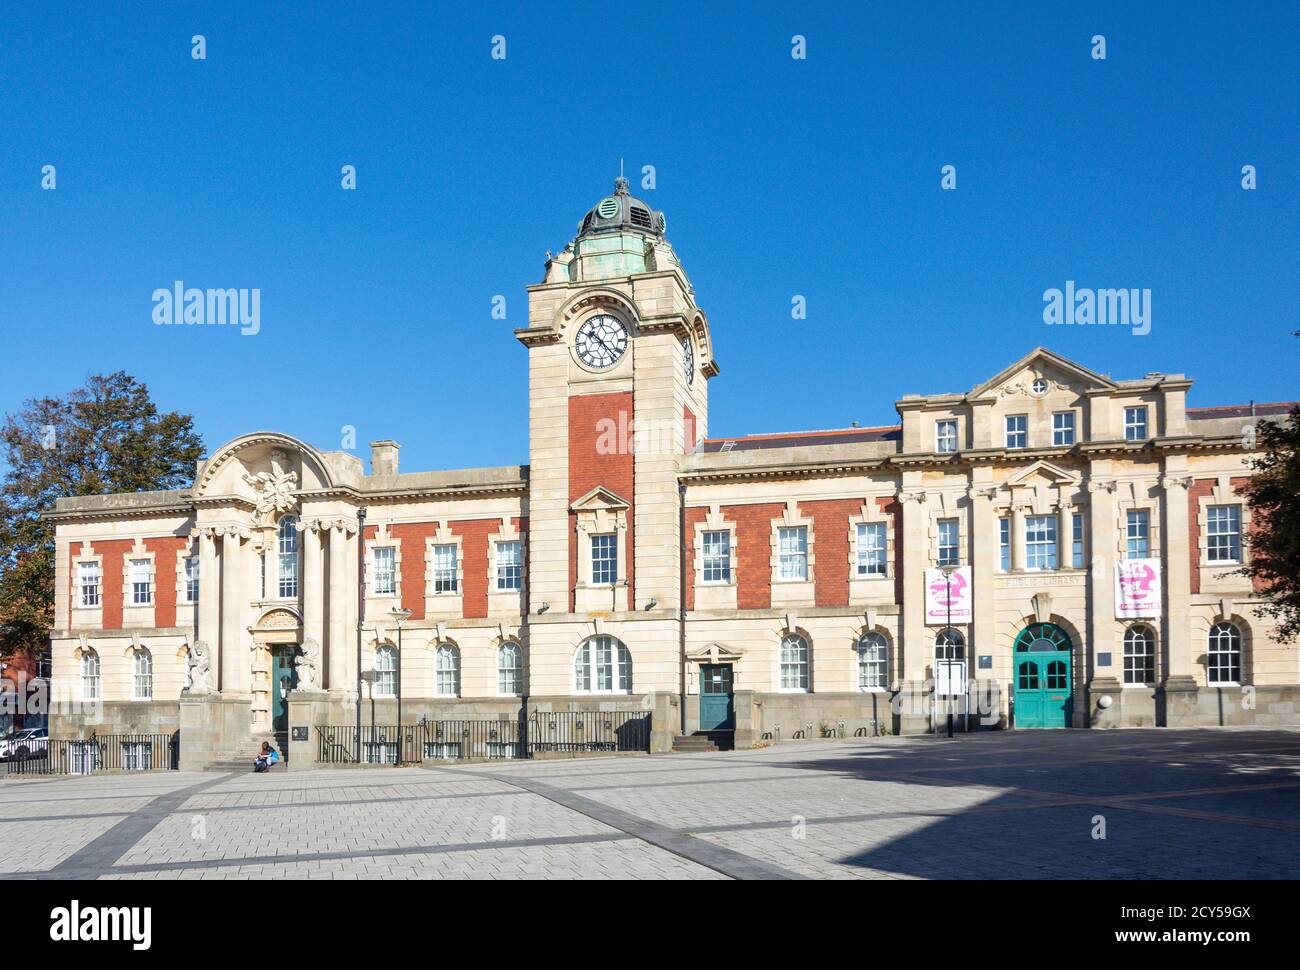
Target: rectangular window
1017 431
88 581
385 558
945 436
444 568
604 560
442 750
1004 545
192 579
381 752
792 544
1223 533
1137 534
872 549
1040 542
1063 428
717 557
1076 540
141 582
1135 424
510 566
947 543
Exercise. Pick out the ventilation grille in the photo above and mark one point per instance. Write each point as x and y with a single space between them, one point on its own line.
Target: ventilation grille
640 217
608 209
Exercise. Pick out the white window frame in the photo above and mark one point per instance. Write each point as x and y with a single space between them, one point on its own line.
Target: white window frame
1004 544
794 660
1224 630
1136 427
446 670
141 580
947 533
592 668
1063 432
384 559
137 756
945 436
604 559
446 569
142 675
873 662
95 587
385 664
792 553
1216 518
287 558
873 553
513 672
1017 429
90 676
1137 534
1139 635
716 552
1042 550
1078 540
509 568
191 578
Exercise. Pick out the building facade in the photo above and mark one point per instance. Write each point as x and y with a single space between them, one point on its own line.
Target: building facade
1052 548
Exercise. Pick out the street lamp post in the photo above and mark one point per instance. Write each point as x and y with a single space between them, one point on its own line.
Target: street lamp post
948 645
400 614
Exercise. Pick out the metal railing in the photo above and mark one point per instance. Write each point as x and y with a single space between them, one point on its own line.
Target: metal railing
101 752
503 739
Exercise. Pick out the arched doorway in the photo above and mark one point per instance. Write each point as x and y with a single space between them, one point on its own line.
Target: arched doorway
1043 677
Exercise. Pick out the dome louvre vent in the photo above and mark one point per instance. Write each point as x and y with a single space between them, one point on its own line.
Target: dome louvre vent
640 217
608 208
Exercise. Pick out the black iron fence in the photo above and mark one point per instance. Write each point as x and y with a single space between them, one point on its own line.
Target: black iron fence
568 732
100 752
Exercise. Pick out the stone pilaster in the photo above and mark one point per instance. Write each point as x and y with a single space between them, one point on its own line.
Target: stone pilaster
236 670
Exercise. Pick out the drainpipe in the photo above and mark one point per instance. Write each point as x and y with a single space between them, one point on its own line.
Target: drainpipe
681 596
361 612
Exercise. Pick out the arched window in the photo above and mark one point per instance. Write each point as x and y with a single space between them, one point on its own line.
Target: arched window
510 669
602 665
1139 656
447 670
794 662
287 545
386 671
90 676
873 662
949 645
142 676
1223 658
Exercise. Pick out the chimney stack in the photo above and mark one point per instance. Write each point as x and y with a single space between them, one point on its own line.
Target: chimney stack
383 457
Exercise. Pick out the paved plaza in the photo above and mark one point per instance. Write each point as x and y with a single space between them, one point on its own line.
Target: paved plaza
1218 804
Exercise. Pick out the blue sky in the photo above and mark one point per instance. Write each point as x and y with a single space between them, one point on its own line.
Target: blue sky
817 177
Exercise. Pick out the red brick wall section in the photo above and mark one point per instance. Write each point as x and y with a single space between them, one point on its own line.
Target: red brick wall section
588 468
1204 488
164 551
111 552
474 566
830 542
412 536
693 518
688 428
753 552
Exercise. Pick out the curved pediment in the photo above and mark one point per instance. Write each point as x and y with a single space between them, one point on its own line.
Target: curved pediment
267 469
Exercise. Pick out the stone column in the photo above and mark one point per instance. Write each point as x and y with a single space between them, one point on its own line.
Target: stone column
1102 546
236 674
917 645
984 564
341 662
313 584
209 599
1017 534
1177 579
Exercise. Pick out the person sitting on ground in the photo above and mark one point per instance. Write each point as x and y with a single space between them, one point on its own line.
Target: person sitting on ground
266 758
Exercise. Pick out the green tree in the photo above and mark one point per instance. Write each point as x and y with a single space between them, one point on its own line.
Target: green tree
106 436
1274 496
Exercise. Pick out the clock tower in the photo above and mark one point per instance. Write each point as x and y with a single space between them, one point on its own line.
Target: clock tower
619 362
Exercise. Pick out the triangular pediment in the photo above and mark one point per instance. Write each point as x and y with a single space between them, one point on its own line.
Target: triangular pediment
1060 372
1043 473
599 498
714 653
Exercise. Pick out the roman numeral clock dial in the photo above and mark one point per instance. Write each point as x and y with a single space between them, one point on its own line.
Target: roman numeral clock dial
601 342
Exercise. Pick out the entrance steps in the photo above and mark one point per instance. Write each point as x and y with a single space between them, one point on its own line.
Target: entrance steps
242 759
705 741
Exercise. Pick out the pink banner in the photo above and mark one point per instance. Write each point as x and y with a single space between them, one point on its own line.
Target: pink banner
1137 589
947 599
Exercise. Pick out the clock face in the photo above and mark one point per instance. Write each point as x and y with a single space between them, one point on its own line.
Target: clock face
688 360
601 342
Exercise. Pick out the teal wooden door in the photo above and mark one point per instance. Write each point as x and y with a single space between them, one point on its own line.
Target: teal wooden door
1043 677
717 710
283 679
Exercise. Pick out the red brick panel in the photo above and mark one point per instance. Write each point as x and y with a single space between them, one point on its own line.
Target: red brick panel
693 518
589 468
753 552
164 551
1204 488
111 552
474 563
412 536
830 543
688 427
